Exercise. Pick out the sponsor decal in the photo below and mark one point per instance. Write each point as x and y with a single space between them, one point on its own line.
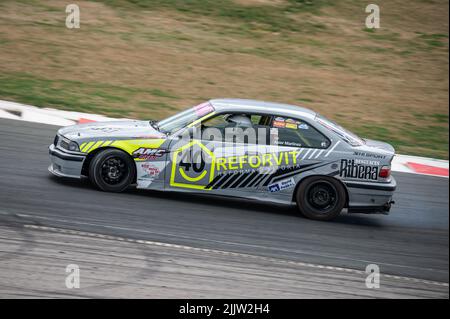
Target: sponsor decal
303 126
148 153
292 126
279 124
367 162
371 155
257 161
289 143
358 169
281 185
189 166
150 170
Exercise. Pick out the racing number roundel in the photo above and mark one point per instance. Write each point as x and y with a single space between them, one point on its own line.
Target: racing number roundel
189 168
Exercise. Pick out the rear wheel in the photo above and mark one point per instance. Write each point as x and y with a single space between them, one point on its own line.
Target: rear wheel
320 198
112 170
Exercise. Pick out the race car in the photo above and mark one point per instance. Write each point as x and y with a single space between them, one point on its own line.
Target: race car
234 147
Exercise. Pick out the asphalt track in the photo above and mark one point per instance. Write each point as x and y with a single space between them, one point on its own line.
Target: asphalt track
412 241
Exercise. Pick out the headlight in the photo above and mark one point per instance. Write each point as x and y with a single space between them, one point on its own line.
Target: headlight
66 144
73 147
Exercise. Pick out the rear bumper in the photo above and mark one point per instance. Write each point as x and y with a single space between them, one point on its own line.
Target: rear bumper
372 209
64 164
370 197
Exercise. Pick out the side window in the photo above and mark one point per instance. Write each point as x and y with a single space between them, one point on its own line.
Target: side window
295 133
256 119
259 125
218 121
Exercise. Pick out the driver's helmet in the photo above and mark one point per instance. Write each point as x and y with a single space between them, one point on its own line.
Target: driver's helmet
239 120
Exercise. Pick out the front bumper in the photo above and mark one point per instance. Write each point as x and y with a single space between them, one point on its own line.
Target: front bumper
64 164
369 198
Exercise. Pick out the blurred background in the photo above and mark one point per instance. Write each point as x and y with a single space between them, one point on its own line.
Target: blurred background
149 59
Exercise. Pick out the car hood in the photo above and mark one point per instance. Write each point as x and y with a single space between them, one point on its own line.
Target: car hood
111 129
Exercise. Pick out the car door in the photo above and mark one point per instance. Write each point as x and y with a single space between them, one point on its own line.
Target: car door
212 162
238 157
296 147
191 162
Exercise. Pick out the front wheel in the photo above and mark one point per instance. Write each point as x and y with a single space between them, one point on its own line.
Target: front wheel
321 198
112 170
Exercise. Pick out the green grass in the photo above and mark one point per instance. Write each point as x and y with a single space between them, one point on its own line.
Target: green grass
440 118
271 18
434 40
410 139
161 93
116 101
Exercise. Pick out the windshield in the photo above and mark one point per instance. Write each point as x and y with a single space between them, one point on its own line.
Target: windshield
178 121
348 136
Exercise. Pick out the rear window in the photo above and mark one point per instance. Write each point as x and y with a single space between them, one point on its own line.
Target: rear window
346 135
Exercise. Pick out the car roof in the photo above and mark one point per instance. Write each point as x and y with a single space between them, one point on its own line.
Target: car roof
261 107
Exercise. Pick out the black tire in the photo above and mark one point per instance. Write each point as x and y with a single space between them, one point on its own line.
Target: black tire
112 170
321 197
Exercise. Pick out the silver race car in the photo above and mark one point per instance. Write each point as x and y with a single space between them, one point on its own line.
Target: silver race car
242 148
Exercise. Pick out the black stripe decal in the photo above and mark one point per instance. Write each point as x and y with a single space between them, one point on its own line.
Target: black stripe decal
231 180
259 182
244 175
215 180
223 180
249 178
258 178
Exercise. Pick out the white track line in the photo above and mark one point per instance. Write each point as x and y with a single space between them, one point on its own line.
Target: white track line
227 253
75 222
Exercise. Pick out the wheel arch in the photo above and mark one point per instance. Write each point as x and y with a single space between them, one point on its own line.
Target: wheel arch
91 155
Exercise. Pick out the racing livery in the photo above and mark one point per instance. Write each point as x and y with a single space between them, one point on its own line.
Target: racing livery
242 148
